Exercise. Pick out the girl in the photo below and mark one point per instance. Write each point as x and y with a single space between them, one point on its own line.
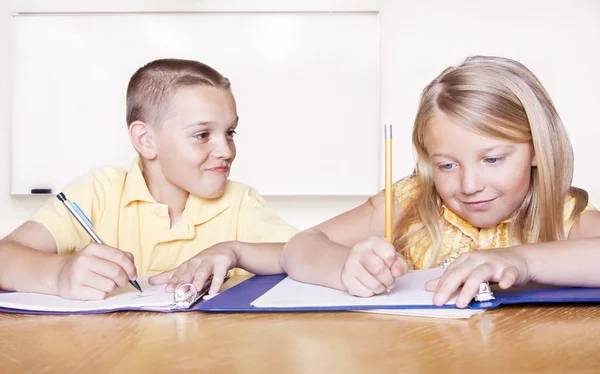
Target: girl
491 189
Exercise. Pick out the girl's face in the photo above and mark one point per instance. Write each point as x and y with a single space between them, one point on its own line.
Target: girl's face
484 180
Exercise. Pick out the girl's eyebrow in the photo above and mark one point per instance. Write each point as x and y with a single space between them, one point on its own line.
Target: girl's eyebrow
507 147
443 155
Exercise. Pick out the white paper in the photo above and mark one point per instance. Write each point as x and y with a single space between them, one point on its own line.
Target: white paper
409 290
152 298
431 313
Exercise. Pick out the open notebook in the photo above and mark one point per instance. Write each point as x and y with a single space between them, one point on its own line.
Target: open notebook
409 291
153 298
278 293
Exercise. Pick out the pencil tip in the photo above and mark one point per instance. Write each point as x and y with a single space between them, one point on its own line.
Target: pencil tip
136 285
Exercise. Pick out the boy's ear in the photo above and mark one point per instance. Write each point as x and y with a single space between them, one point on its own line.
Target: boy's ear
141 137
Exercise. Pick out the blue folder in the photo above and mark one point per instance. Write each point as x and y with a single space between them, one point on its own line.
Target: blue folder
239 298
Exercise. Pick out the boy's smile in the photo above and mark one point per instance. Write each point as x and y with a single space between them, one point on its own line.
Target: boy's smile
194 144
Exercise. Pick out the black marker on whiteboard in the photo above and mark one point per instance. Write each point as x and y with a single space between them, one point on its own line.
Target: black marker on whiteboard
38 191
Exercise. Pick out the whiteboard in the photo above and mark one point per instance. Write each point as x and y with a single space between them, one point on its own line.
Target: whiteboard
306 85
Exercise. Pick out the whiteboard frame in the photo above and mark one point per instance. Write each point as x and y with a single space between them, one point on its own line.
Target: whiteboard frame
32 8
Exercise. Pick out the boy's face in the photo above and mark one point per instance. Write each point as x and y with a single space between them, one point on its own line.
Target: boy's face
194 143
483 180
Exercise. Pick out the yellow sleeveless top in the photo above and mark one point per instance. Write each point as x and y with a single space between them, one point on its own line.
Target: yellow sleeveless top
459 236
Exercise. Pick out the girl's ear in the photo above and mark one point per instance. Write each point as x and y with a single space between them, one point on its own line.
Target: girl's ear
534 160
141 137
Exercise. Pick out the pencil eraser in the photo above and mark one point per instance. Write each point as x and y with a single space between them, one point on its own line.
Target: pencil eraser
41 190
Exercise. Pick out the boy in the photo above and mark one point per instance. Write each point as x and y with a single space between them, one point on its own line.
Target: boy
174 214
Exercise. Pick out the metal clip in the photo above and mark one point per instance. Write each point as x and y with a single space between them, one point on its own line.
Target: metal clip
485 293
185 295
447 261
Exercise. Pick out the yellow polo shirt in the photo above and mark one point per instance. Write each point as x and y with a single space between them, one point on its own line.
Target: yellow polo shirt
126 216
459 236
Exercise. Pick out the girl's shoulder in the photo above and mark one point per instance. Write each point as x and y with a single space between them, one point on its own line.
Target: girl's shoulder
406 187
576 204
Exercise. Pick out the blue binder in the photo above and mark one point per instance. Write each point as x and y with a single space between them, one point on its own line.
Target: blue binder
239 298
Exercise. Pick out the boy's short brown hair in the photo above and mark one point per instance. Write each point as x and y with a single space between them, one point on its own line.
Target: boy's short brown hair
154 84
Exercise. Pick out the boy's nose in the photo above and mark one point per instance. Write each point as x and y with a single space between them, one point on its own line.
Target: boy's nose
223 150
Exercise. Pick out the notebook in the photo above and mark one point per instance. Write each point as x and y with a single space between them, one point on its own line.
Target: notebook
153 298
409 290
279 293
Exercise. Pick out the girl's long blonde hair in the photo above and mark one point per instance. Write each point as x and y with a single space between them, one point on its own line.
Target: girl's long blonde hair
500 98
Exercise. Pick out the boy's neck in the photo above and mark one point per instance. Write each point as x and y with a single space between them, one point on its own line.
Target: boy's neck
164 192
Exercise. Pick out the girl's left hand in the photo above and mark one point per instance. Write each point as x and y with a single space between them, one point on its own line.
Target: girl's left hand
505 266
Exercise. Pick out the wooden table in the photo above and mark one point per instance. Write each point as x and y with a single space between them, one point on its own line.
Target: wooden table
551 339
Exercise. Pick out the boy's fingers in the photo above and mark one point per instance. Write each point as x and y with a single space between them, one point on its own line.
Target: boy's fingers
116 256
99 282
110 271
129 255
89 293
199 277
175 278
161 278
219 273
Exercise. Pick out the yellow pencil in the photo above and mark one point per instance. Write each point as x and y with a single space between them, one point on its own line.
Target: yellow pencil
389 206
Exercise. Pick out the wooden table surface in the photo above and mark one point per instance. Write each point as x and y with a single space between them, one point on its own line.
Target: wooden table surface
550 339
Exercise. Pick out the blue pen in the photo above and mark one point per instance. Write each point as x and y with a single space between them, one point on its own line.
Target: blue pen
87 225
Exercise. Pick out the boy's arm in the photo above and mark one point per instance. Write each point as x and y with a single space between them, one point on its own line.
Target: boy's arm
29 256
32 257
28 260
318 255
258 258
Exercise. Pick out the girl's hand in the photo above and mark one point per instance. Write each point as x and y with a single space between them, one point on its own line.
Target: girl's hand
372 267
505 266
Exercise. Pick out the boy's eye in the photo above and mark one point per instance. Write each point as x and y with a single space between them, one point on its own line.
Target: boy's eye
201 135
493 160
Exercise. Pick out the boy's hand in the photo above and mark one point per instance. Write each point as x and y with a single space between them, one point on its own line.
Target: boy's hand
215 261
94 272
372 267
505 266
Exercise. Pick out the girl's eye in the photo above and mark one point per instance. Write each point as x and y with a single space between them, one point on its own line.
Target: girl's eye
201 135
445 166
493 160
231 133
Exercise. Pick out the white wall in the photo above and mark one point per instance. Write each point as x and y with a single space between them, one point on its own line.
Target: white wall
558 39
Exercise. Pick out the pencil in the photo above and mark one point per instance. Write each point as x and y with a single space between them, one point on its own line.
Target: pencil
389 206
87 226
